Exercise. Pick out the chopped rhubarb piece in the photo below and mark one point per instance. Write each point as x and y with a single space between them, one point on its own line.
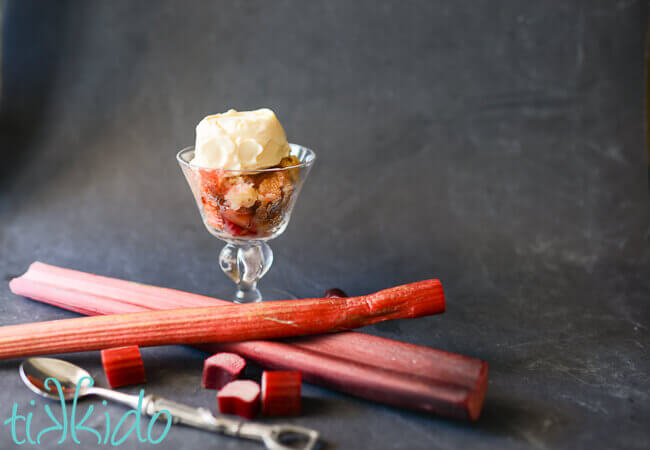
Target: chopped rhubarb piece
281 393
233 228
240 397
241 219
211 180
123 366
221 369
212 214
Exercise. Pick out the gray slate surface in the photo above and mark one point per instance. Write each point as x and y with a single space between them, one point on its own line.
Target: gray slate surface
497 145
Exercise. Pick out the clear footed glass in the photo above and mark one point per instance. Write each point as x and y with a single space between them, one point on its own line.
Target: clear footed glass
246 208
245 265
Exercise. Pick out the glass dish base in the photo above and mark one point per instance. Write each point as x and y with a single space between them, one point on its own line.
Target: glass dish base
267 294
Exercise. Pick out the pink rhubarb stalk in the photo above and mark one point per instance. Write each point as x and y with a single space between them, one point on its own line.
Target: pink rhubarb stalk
266 320
375 368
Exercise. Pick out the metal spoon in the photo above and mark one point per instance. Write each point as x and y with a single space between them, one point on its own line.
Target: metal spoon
35 372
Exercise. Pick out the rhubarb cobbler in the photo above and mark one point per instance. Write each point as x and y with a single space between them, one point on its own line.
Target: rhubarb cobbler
245 174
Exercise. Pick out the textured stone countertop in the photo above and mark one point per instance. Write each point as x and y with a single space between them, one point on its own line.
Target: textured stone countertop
497 145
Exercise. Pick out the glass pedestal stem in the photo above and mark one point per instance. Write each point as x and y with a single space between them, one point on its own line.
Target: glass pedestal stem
246 264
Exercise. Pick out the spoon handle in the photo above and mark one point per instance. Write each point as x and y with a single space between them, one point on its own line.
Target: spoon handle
270 435
189 415
116 396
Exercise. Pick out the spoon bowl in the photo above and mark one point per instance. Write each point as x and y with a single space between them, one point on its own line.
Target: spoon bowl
35 373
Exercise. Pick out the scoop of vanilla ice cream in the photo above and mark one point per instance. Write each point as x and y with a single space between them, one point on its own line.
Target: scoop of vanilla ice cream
240 140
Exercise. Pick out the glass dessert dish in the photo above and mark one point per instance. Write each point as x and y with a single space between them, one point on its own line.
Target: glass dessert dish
246 208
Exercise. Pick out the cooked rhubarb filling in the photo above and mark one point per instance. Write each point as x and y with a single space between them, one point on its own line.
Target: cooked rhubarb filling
248 204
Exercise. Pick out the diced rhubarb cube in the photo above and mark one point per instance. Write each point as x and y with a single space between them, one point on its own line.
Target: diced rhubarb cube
241 397
281 392
123 366
221 369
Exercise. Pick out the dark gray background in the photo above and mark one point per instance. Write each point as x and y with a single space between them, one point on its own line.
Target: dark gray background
497 145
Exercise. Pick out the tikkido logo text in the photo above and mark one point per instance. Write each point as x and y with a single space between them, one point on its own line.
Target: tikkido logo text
66 426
